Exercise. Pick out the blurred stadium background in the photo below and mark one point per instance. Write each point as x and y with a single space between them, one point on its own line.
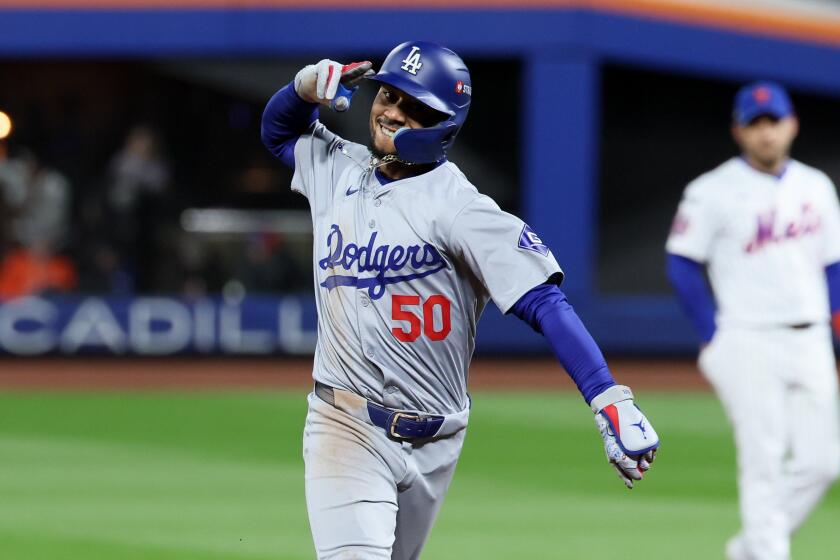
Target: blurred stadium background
156 314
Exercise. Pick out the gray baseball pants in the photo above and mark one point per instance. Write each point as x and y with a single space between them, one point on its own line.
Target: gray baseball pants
368 496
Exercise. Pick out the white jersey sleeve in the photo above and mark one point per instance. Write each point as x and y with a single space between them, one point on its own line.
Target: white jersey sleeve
695 225
831 225
502 251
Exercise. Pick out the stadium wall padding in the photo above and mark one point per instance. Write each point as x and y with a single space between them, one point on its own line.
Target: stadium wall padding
561 49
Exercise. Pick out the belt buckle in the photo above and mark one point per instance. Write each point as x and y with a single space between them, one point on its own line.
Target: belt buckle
396 418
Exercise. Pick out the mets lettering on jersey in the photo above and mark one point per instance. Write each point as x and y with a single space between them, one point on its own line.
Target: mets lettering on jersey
765 238
422 260
768 231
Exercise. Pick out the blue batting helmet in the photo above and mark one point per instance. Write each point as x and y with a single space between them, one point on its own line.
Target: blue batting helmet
438 78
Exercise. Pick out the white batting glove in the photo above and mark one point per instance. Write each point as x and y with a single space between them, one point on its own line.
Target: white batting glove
630 441
331 83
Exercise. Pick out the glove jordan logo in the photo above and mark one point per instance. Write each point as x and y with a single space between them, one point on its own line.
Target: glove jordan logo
411 63
641 425
425 260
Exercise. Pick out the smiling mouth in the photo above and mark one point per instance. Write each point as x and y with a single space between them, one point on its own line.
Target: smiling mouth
387 131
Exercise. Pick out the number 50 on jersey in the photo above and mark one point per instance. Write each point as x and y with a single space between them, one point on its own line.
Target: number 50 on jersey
431 318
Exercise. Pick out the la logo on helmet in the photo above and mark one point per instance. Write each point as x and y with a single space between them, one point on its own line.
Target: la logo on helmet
411 63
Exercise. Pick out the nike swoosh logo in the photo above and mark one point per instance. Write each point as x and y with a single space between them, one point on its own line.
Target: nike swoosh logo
351 191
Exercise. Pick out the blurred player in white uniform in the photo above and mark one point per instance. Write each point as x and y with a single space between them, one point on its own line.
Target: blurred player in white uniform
767 229
406 255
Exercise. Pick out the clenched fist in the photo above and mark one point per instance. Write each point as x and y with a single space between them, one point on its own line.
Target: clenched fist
328 80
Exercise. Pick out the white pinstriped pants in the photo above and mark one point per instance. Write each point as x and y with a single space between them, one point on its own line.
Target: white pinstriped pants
778 387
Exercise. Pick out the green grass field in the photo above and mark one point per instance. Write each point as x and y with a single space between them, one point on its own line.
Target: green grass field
205 476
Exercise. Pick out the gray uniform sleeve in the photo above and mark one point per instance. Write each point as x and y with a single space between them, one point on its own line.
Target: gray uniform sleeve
314 153
506 256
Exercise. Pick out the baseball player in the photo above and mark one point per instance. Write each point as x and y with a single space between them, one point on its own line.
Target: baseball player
406 255
767 229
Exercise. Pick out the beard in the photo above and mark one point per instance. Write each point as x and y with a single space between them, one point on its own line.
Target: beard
377 153
770 158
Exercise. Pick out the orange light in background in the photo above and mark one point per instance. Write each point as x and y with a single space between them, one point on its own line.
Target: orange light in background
5 125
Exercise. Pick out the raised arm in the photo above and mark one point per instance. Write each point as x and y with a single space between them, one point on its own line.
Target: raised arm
285 118
291 111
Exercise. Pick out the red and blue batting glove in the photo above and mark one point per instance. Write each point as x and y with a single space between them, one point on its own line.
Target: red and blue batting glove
630 441
331 83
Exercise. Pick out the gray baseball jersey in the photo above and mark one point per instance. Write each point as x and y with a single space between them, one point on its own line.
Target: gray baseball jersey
403 272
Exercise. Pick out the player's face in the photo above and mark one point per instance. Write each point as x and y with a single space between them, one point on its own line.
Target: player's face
766 141
392 109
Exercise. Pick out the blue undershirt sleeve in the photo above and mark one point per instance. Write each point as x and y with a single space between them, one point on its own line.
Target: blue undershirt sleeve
546 309
285 118
832 276
693 292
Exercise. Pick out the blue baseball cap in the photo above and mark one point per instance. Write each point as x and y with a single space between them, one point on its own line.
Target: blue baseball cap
761 98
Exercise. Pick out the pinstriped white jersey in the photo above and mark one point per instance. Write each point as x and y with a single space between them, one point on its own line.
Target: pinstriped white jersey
766 241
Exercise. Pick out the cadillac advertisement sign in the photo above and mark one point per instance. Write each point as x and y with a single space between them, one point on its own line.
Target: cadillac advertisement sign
158 326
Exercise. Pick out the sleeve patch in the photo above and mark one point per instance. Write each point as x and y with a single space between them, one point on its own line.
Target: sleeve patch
680 224
532 242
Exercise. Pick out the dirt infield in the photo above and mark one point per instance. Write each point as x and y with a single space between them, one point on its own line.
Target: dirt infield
251 373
